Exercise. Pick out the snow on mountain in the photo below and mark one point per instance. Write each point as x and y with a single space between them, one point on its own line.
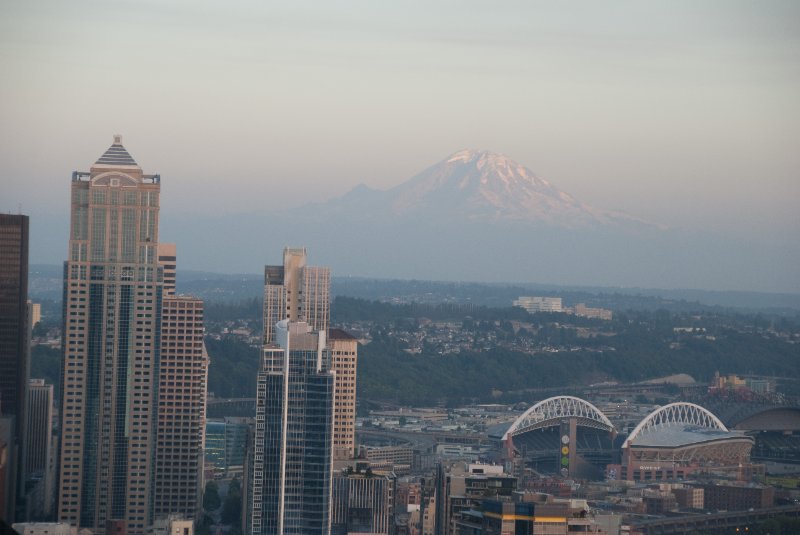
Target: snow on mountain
480 185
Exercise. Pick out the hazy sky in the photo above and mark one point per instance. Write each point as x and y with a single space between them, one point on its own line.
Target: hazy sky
683 113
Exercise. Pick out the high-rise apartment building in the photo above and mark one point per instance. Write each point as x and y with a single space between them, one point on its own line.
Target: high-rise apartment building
181 399
111 345
291 468
14 351
296 292
344 362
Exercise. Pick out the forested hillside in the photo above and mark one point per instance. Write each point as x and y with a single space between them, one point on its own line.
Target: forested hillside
422 354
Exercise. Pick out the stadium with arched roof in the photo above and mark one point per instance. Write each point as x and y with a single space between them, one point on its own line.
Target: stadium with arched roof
678 439
561 434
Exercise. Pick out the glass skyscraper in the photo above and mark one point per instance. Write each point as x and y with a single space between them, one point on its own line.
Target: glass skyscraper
291 473
226 443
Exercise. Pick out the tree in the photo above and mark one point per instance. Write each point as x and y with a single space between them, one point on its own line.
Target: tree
204 526
232 508
211 500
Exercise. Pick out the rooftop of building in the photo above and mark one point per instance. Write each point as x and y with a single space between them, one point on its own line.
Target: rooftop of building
117 155
339 334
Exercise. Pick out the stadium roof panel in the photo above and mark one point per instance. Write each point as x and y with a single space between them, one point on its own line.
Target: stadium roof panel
676 435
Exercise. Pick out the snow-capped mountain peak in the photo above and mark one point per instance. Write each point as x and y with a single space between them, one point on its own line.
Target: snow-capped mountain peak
482 184
478 185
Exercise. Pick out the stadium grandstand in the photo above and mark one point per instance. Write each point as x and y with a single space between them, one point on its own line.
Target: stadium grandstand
561 435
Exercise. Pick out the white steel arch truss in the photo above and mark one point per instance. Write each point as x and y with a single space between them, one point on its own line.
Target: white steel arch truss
549 411
680 413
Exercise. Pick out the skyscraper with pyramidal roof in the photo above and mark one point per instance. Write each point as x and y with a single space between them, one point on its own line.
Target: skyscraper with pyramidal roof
111 344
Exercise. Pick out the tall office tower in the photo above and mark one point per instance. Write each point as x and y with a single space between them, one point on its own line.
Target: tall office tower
296 292
168 260
40 425
181 408
344 361
39 446
14 347
111 345
291 472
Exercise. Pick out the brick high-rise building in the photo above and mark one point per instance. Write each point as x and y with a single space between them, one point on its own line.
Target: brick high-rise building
296 292
111 345
14 353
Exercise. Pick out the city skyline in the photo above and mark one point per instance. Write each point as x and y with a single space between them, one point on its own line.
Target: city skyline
561 156
679 113
115 255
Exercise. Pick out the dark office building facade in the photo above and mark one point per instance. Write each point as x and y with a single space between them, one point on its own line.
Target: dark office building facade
14 351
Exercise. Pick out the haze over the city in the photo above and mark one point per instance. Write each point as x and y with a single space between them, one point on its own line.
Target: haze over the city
682 114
